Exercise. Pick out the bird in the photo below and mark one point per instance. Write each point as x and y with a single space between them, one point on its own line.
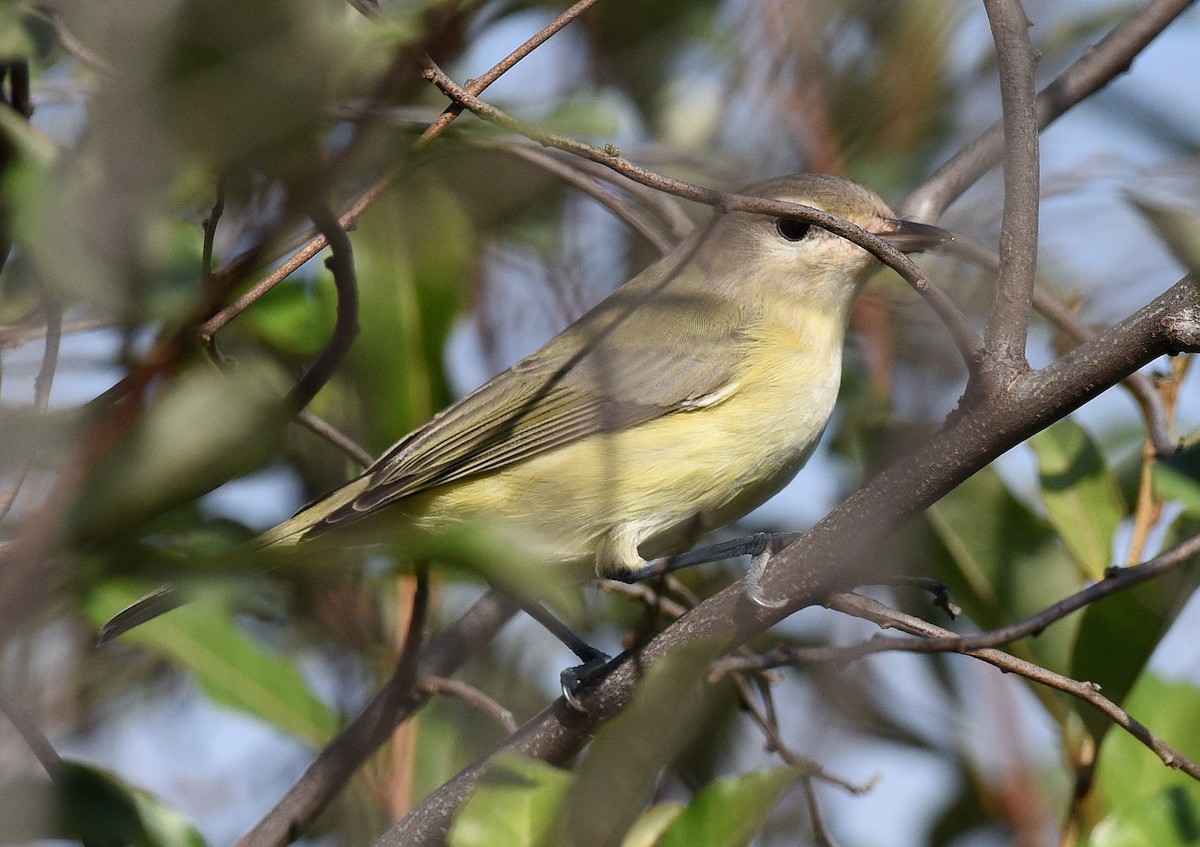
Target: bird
678 404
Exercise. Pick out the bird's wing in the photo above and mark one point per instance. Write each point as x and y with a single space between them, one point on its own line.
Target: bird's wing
630 360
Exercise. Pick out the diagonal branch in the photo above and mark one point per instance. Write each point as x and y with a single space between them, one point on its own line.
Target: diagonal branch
832 553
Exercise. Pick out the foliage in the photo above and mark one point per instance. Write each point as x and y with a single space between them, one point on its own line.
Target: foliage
181 151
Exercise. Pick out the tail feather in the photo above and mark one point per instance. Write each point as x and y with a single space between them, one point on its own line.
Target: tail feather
287 534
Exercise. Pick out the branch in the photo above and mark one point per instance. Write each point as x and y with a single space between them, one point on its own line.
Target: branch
1096 67
1154 410
832 553
1117 579
479 84
1088 692
394 703
341 265
1008 324
633 216
960 329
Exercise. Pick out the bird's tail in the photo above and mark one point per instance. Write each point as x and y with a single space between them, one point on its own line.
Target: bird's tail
287 534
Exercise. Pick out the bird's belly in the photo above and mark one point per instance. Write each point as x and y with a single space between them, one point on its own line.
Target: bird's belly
662 483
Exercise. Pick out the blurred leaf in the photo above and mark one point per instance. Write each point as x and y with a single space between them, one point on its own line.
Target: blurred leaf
34 147
1178 478
1177 226
1128 774
617 776
14 38
234 90
1170 818
516 805
205 428
730 812
1082 500
1119 633
233 669
648 829
295 318
414 254
87 804
1002 563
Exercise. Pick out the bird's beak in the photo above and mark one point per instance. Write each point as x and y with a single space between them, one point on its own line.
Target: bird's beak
910 236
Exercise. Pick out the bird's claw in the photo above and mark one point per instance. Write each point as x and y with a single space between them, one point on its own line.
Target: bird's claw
758 564
572 680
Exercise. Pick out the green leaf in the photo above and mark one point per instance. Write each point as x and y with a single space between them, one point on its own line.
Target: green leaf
414 256
1002 563
516 805
88 804
1178 478
730 812
617 777
651 824
1170 818
295 318
232 668
204 429
1082 500
1128 774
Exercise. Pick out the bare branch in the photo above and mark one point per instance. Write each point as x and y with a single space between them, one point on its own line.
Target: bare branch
341 265
1138 384
52 313
479 84
470 695
1087 692
335 437
834 550
631 215
1008 324
1096 67
394 703
960 329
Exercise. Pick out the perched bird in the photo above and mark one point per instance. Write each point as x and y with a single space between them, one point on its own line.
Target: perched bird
682 401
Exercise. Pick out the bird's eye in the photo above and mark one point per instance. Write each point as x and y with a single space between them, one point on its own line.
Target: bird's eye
792 230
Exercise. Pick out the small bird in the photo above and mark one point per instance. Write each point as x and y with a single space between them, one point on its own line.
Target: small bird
683 400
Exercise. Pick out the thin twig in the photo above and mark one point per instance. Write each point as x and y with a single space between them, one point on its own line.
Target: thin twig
52 312
32 735
395 702
211 221
634 217
1116 579
880 614
341 265
1008 324
960 329
347 221
17 335
470 695
480 83
335 437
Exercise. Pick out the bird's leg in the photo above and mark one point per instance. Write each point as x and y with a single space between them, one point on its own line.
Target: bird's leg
592 659
759 547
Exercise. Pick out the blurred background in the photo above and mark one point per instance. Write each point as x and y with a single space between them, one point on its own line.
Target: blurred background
147 112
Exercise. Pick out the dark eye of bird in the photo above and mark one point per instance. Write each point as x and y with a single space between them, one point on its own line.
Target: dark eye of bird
792 230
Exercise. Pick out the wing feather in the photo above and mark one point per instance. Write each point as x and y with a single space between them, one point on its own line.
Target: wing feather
630 360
